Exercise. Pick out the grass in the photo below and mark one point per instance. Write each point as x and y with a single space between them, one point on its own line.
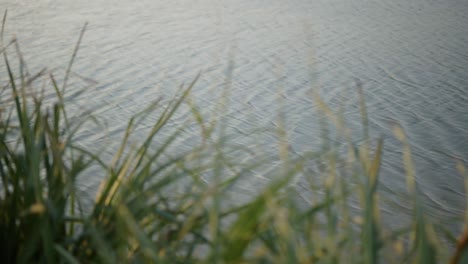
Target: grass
140 214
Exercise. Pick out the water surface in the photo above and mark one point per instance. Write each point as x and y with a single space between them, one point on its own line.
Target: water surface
410 55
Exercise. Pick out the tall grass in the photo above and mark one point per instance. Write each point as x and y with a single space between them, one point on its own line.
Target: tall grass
140 214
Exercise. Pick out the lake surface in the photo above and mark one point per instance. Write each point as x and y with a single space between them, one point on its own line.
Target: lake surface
410 55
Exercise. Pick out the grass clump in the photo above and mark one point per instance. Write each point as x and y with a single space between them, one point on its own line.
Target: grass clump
155 207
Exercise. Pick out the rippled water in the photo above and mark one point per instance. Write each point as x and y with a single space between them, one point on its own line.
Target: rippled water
410 55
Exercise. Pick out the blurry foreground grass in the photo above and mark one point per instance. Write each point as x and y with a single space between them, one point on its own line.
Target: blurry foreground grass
140 217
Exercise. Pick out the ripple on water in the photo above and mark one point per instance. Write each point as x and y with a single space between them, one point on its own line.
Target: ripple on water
410 56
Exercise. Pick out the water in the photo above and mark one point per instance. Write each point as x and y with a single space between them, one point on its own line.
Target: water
410 55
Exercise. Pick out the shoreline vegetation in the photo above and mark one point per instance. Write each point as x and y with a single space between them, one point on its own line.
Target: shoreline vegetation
140 214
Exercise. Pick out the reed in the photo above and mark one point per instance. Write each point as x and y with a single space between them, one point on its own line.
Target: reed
141 216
